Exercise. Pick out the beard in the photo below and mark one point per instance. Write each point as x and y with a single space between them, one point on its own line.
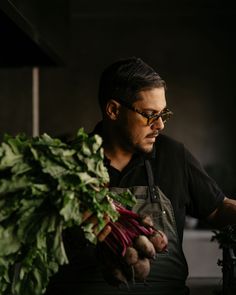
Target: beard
128 143
141 149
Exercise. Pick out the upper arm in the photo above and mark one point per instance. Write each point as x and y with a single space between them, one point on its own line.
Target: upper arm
204 194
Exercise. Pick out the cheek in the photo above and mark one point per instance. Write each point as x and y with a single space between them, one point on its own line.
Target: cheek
138 134
135 129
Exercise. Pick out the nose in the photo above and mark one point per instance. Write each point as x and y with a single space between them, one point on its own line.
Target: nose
158 124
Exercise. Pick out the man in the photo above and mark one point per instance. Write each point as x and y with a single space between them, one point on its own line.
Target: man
166 179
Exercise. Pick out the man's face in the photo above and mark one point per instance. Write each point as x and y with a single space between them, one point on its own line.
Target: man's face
135 134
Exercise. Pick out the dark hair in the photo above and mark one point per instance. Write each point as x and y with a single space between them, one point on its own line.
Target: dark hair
125 78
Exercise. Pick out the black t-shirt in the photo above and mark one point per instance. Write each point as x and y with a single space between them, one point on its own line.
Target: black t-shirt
181 178
178 174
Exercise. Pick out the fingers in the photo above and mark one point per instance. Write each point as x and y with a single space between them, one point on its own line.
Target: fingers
97 229
104 233
89 217
86 215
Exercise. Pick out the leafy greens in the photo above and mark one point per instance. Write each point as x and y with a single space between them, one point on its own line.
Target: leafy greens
45 187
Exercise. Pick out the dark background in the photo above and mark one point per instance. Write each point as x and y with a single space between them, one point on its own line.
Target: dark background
190 43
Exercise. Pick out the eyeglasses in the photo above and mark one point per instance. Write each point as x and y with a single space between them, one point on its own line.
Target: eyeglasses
152 118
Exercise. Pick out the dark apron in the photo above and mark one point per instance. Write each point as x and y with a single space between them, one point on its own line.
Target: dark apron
170 268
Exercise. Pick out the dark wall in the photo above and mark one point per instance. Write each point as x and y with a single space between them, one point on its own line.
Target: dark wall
192 46
33 32
15 101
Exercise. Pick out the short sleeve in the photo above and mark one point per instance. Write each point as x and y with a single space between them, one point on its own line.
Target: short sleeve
204 193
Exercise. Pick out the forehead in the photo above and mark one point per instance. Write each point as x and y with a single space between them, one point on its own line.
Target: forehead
153 99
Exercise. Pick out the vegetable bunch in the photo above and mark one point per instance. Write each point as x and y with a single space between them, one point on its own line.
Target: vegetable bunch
226 237
45 187
128 250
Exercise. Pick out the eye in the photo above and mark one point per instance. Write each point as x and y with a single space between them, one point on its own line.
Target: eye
150 113
153 114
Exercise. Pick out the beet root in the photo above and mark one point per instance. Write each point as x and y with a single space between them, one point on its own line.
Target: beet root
159 241
131 256
145 247
142 269
146 220
114 276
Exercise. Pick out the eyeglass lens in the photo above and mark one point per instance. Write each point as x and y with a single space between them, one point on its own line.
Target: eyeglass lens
165 115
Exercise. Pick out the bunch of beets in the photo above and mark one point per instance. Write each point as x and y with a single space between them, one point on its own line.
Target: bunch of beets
128 250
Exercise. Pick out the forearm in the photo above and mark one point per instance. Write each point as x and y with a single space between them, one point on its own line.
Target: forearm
224 215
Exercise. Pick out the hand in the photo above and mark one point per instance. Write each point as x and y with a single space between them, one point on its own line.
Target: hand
89 217
224 215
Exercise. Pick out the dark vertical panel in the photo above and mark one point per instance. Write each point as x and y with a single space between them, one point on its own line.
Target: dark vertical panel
15 101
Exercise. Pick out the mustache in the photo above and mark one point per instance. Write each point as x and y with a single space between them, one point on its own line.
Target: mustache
153 134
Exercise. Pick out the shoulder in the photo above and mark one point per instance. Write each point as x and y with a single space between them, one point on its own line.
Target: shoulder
167 143
169 152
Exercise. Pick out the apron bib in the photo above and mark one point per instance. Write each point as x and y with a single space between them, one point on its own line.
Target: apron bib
171 265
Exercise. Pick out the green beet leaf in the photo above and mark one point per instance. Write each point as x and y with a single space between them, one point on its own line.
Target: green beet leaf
45 187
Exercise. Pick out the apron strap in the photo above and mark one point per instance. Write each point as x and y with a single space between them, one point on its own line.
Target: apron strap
153 191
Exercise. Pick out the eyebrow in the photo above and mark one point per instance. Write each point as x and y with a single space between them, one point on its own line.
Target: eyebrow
152 110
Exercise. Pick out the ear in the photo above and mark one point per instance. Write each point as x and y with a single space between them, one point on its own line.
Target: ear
112 109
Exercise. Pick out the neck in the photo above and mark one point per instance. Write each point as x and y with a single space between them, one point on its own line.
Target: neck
119 158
